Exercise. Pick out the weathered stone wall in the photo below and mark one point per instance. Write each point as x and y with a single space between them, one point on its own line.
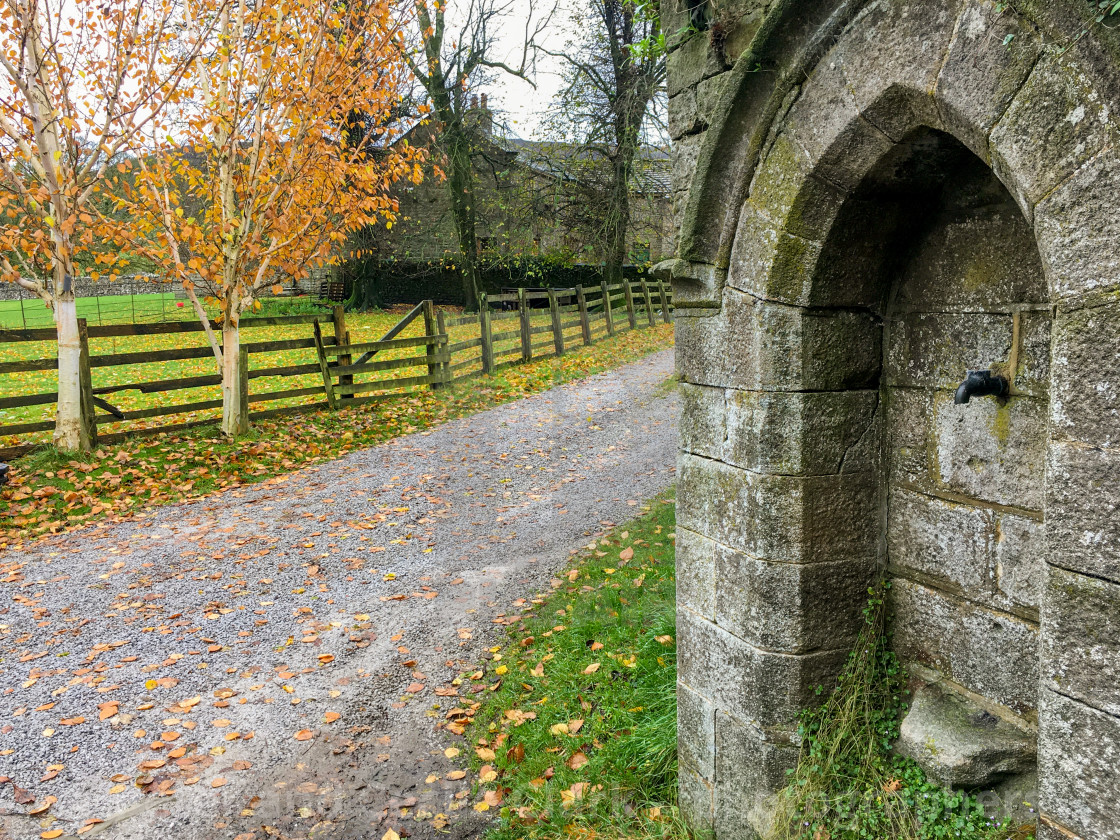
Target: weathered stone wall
873 197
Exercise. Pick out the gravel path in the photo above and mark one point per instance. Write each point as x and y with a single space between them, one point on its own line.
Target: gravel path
272 656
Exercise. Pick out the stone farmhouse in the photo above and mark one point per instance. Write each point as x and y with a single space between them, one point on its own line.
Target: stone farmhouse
532 199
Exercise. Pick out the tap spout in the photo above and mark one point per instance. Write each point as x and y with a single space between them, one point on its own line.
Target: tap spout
980 383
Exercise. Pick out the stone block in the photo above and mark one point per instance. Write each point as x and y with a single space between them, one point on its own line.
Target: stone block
1078 757
697 559
942 540
990 653
797 433
1055 124
703 420
785 190
993 452
1076 226
1033 376
812 350
752 344
717 347
1085 403
785 519
683 115
991 56
1083 509
767 688
959 744
695 800
933 350
1020 560
911 453
750 768
825 122
974 260
788 607
685 153
690 63
890 55
1081 639
696 734
769 262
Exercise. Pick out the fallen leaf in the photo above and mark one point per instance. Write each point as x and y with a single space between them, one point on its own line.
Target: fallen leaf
331 717
577 761
43 806
626 553
304 735
218 782
592 668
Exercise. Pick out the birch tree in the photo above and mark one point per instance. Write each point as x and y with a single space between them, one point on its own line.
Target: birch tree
271 170
82 83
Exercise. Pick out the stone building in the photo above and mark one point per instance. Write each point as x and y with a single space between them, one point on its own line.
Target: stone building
873 198
529 200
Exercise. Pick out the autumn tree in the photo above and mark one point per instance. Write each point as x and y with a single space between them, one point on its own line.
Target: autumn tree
82 84
614 73
279 154
452 62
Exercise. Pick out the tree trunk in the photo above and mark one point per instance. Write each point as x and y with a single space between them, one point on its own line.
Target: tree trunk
69 432
618 218
461 185
233 420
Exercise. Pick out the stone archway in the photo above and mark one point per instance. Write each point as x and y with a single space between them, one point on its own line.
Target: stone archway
910 193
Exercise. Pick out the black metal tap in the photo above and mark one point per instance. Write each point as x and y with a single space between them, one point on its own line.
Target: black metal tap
981 383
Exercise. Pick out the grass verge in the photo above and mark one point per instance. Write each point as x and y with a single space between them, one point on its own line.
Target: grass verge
51 491
580 737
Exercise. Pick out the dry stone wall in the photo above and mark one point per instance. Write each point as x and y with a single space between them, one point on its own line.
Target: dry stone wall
872 198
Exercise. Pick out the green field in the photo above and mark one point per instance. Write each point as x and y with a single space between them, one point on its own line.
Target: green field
362 326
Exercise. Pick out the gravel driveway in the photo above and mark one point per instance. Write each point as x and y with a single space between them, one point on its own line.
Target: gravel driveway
279 655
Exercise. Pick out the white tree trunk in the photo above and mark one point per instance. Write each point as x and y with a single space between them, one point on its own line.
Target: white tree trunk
232 420
69 433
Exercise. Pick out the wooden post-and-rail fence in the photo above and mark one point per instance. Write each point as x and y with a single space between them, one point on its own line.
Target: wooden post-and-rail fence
509 328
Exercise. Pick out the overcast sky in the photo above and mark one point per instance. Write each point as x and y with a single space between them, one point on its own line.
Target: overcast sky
521 103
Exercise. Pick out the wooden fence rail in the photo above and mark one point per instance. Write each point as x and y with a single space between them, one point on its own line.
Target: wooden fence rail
535 324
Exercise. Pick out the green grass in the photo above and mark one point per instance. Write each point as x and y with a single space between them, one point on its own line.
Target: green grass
581 733
136 309
368 326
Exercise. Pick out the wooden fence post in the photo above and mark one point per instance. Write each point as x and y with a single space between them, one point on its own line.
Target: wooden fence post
607 308
557 328
584 323
629 290
486 334
243 388
445 353
342 338
324 368
662 291
648 299
526 336
88 433
431 349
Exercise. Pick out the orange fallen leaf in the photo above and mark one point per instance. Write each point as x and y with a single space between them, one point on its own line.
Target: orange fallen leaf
241 764
577 761
331 717
50 835
592 668
218 782
107 710
43 806
72 721
304 735
626 553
